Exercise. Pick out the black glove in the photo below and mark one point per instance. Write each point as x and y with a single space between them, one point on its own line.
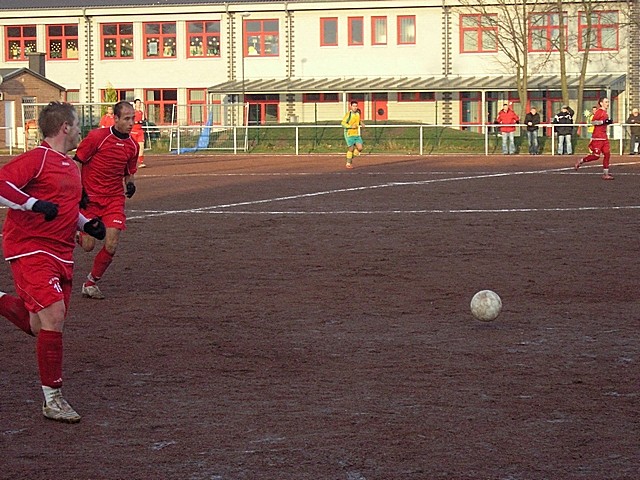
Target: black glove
608 121
84 200
50 210
95 227
131 189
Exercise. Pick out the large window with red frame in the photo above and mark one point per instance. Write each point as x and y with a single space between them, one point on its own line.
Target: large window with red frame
320 98
544 31
328 32
116 40
356 31
261 38
203 39
416 97
603 35
406 30
478 33
20 41
62 42
160 105
470 108
159 39
197 106
378 30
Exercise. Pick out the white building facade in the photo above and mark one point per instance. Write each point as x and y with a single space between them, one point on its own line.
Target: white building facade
428 61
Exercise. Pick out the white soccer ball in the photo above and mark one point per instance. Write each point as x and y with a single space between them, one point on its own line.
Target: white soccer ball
486 305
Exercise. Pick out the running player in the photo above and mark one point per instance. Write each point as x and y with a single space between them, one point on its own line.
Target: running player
107 159
42 188
352 124
599 144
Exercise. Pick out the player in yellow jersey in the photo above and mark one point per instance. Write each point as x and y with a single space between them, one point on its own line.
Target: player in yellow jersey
352 124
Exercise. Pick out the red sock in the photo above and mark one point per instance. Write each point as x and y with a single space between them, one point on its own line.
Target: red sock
12 308
49 353
101 263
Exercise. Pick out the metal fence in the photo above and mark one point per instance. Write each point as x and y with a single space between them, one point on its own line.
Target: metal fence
414 139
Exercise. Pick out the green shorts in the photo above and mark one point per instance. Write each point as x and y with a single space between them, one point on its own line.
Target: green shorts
353 140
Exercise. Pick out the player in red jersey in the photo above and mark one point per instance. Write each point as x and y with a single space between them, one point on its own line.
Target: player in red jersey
599 144
42 188
107 119
137 132
107 159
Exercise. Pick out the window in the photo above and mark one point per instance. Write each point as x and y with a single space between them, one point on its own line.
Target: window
72 96
261 38
378 30
160 105
544 31
416 97
356 31
603 34
203 39
122 95
20 41
407 30
478 33
470 108
117 40
197 106
320 98
328 32
160 40
62 42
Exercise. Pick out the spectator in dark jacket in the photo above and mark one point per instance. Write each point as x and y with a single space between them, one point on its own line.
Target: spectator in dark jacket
634 121
564 121
531 120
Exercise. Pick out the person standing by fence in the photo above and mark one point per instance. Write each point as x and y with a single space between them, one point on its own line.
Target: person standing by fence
137 132
564 128
507 119
532 120
634 130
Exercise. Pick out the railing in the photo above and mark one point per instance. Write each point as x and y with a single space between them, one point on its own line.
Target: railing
417 139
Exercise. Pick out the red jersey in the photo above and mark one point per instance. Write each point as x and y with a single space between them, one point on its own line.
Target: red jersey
600 131
138 118
106 159
42 174
107 121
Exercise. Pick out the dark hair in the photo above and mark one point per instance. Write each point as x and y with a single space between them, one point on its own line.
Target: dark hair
353 102
54 115
117 109
601 99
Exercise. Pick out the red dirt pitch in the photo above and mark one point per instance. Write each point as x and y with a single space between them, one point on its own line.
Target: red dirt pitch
284 318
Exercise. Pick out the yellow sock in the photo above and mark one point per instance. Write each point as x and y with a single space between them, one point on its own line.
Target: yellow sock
356 152
349 154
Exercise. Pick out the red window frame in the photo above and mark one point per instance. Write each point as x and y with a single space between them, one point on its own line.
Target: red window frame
63 41
354 23
485 24
202 103
159 37
116 44
468 98
401 34
204 40
19 40
416 96
597 28
324 24
376 24
548 27
264 35
320 97
157 103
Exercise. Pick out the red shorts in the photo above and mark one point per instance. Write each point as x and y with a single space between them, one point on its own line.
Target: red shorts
598 147
41 280
109 209
137 135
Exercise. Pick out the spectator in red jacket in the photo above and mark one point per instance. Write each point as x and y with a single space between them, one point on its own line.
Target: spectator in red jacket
508 119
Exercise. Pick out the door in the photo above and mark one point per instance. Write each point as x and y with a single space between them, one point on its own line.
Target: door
379 106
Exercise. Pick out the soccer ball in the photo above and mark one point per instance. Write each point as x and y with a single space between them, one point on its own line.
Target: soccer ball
486 305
